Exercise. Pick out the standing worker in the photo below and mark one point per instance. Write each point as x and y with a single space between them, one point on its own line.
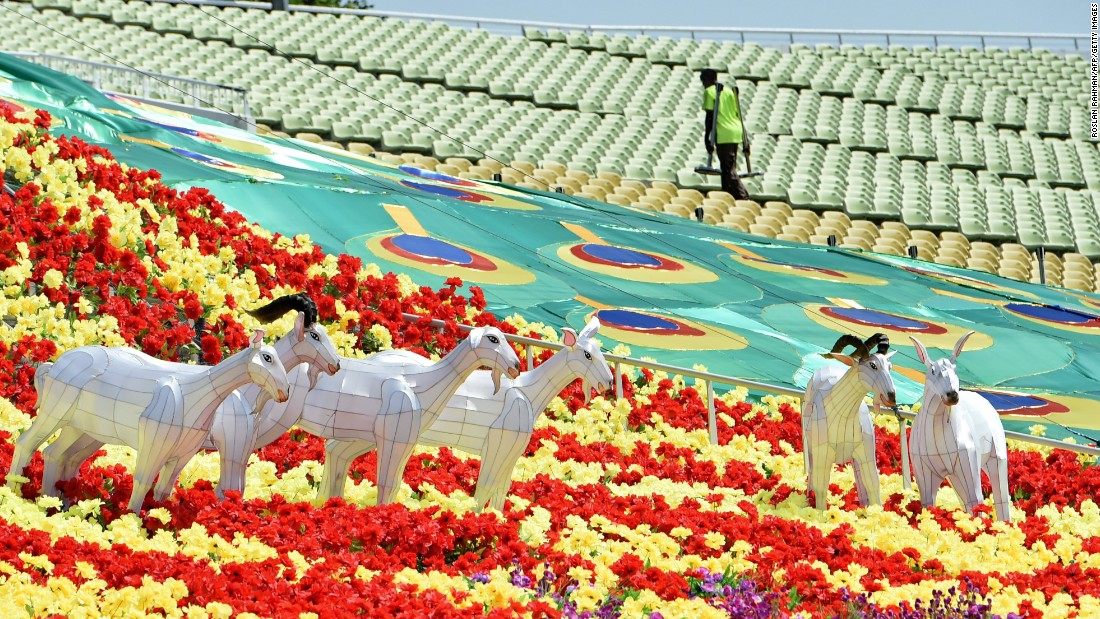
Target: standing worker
730 131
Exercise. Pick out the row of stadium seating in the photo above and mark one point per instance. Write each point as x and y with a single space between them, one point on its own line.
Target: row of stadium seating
930 139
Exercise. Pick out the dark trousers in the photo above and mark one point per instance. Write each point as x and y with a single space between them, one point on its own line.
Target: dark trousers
727 162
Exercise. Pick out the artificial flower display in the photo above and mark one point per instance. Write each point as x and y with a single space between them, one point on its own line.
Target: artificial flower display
618 508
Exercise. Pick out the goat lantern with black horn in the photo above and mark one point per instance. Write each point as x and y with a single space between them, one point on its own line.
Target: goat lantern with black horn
836 423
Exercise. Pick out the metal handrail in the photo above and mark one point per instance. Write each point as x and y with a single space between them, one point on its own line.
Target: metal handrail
529 343
235 96
1078 41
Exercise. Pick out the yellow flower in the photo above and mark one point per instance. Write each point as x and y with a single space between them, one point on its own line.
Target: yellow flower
53 279
714 540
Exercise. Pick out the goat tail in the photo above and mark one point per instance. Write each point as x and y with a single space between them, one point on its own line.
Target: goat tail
282 305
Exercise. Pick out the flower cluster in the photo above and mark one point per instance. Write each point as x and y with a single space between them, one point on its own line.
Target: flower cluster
619 508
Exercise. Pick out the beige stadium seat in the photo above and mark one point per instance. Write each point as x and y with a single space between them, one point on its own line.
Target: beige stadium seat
713 212
825 230
660 193
1077 281
671 188
889 246
555 167
774 222
763 230
819 239
614 198
981 264
603 183
733 226
749 204
795 233
868 235
926 235
611 177
566 181
949 260
838 216
679 210
580 175
480 172
630 193
361 148
1075 258
598 192
805 214
458 162
524 166
901 236
492 164
951 235
721 195
780 206
694 195
810 223
924 251
896 225
448 169
512 177
779 214
638 186
736 221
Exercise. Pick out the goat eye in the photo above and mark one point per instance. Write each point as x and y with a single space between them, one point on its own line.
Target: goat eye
494 339
587 355
313 334
267 358
873 366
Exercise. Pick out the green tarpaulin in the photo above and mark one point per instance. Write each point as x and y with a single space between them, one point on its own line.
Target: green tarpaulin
682 292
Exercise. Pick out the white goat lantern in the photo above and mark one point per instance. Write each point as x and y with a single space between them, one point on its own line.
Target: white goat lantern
386 401
234 430
497 425
957 435
836 423
97 395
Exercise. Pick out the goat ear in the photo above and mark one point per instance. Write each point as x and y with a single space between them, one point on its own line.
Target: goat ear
922 352
959 345
475 336
300 327
258 338
843 358
569 337
590 329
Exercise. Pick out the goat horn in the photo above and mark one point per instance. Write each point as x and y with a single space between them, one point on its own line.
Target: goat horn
850 340
881 339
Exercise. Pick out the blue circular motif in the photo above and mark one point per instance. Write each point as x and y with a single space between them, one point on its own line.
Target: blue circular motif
428 247
1051 314
620 255
635 320
873 317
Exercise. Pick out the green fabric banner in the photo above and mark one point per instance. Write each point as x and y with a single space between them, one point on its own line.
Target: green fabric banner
681 292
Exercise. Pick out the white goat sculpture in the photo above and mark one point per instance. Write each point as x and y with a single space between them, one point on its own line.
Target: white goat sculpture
836 424
233 432
123 396
957 435
498 425
387 400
